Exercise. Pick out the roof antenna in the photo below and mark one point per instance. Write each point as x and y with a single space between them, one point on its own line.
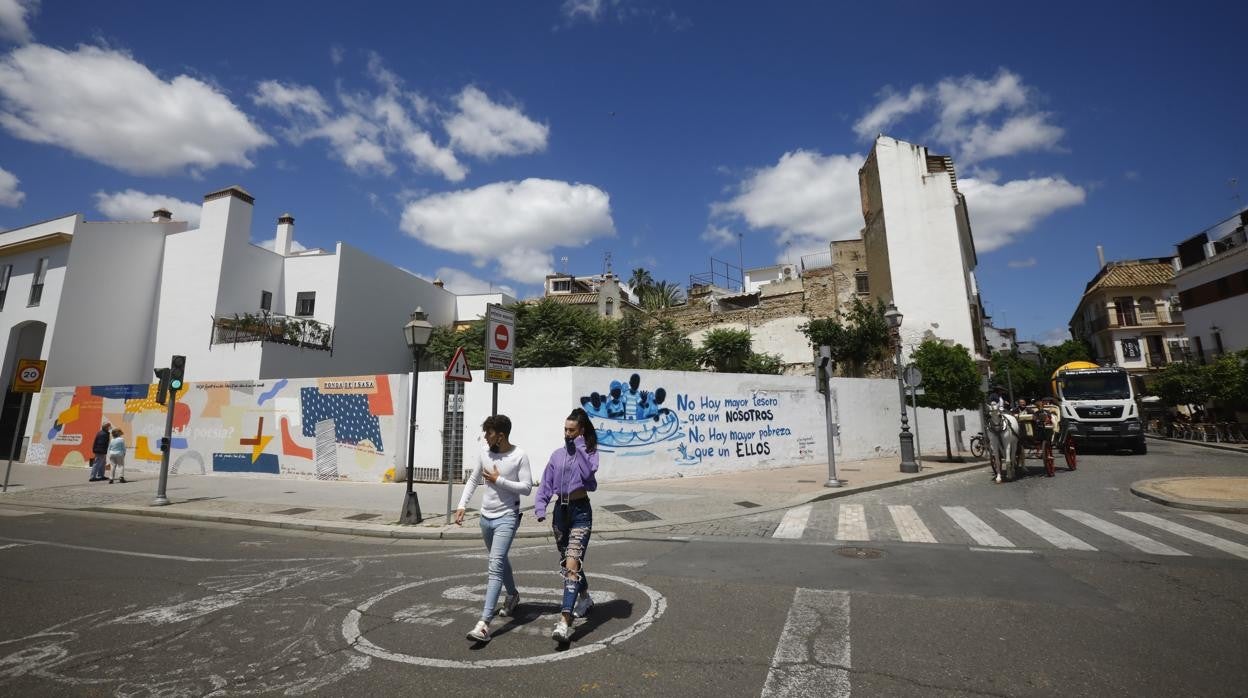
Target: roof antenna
1234 183
606 263
564 260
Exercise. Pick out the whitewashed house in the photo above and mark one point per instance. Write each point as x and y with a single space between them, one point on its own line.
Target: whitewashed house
1211 278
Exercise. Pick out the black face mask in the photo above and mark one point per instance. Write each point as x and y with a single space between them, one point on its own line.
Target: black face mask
570 444
493 448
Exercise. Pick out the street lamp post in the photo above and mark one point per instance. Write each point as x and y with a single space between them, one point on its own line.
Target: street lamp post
416 332
908 465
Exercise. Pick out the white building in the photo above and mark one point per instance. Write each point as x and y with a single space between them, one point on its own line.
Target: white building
1000 340
1211 278
776 273
104 303
1127 316
920 251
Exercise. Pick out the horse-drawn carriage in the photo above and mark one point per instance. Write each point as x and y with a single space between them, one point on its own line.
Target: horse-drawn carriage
1012 439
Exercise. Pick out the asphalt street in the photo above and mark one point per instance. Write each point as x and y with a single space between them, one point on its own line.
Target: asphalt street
107 605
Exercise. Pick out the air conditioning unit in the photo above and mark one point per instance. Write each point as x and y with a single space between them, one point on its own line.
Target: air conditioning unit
787 272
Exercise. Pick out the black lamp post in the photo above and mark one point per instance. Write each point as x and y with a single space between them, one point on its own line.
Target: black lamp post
416 332
908 465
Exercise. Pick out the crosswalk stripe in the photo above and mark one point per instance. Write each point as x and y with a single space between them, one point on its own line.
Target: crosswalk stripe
1129 537
976 528
851 523
909 525
813 654
794 522
1046 530
1224 523
1182 531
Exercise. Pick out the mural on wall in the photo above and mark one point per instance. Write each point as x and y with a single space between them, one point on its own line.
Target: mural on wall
696 427
323 428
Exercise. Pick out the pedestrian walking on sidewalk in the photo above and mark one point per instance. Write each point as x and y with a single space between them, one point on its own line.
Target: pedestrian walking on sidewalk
505 469
570 475
99 449
117 457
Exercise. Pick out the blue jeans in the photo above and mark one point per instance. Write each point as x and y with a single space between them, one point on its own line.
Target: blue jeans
97 466
498 534
572 524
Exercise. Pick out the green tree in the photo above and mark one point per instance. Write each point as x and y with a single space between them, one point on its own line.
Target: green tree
673 351
1027 379
663 294
1070 350
640 279
725 350
769 364
1226 380
950 381
443 342
1182 384
857 340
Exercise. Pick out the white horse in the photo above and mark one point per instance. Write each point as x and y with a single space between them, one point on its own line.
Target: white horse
1001 433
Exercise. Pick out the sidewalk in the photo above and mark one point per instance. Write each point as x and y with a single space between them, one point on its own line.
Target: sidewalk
370 509
1227 495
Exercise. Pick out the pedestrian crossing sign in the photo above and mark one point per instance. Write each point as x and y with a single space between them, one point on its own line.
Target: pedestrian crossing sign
458 368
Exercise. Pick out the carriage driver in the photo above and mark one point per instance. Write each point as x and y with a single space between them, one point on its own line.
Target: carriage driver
996 394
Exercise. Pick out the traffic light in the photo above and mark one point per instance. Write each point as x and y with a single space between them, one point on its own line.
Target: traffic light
824 366
177 369
162 377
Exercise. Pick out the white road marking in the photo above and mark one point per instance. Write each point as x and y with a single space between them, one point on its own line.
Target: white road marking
355 637
110 551
1239 526
976 528
794 522
1046 530
521 551
1129 537
909 525
12 545
476 593
813 654
18 512
1192 534
630 563
851 523
1015 551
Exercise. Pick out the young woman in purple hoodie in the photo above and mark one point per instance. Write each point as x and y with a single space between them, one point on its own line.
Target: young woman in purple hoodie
570 475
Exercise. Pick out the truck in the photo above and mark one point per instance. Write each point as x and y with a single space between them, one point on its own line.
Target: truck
1099 405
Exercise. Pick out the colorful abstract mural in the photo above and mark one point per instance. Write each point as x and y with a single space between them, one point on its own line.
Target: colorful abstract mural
323 428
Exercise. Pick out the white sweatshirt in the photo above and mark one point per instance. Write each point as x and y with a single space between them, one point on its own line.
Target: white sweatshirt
502 495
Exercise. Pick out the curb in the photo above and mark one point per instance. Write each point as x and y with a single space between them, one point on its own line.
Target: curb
1206 444
405 533
1138 489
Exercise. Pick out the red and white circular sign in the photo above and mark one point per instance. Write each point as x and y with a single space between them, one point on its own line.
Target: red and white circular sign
502 337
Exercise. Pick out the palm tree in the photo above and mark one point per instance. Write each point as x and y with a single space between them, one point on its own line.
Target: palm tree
663 294
640 281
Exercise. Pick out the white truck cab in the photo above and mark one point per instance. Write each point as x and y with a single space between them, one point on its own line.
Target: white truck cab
1099 405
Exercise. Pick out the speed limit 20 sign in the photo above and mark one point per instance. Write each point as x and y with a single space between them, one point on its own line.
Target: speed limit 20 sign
28 378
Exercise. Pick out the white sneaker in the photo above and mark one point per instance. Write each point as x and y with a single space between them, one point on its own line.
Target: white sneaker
562 633
509 605
480 633
583 604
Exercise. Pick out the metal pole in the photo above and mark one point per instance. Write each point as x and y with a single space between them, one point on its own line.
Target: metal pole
17 429
918 438
457 431
826 352
411 502
494 404
161 500
908 464
1010 383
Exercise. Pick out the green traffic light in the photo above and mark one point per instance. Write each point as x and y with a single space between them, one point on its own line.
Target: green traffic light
175 384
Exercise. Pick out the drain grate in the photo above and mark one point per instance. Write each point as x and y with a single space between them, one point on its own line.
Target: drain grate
808 481
636 516
617 507
291 512
747 505
860 553
363 517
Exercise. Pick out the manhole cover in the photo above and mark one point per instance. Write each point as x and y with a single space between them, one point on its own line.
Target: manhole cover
807 480
860 553
747 505
616 507
293 511
363 517
636 516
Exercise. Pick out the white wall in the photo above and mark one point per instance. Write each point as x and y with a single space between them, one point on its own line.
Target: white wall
246 272
1229 315
317 273
190 279
468 308
15 311
779 336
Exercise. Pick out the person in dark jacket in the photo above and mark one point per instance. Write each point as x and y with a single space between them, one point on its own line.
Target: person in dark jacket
99 452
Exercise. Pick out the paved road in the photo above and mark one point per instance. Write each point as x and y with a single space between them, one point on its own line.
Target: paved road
99 605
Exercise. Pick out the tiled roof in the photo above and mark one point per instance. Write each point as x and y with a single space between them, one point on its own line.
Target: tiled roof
1133 274
574 298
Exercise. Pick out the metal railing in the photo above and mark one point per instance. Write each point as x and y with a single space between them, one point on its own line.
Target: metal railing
818 260
302 332
1161 319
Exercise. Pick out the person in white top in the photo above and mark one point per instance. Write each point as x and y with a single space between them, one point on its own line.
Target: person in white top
505 469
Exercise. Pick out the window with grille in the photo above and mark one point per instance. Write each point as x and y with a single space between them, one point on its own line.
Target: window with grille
305 303
860 278
561 285
36 284
5 272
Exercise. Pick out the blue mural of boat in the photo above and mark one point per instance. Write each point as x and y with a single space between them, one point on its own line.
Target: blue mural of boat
631 433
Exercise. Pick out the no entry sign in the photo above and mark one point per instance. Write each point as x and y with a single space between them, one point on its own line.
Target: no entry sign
500 344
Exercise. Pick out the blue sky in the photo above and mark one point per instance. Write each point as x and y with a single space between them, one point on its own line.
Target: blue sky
483 142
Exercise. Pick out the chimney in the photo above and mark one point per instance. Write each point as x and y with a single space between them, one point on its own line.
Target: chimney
285 234
1100 256
438 283
162 215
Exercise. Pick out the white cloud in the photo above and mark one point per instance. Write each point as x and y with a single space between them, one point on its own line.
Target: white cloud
890 108
978 119
1057 335
514 224
1021 263
460 282
718 236
809 198
105 106
589 10
15 19
9 194
1001 213
335 54
134 205
1131 175
486 129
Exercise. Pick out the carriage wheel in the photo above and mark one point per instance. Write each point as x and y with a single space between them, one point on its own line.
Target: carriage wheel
1049 469
1072 457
